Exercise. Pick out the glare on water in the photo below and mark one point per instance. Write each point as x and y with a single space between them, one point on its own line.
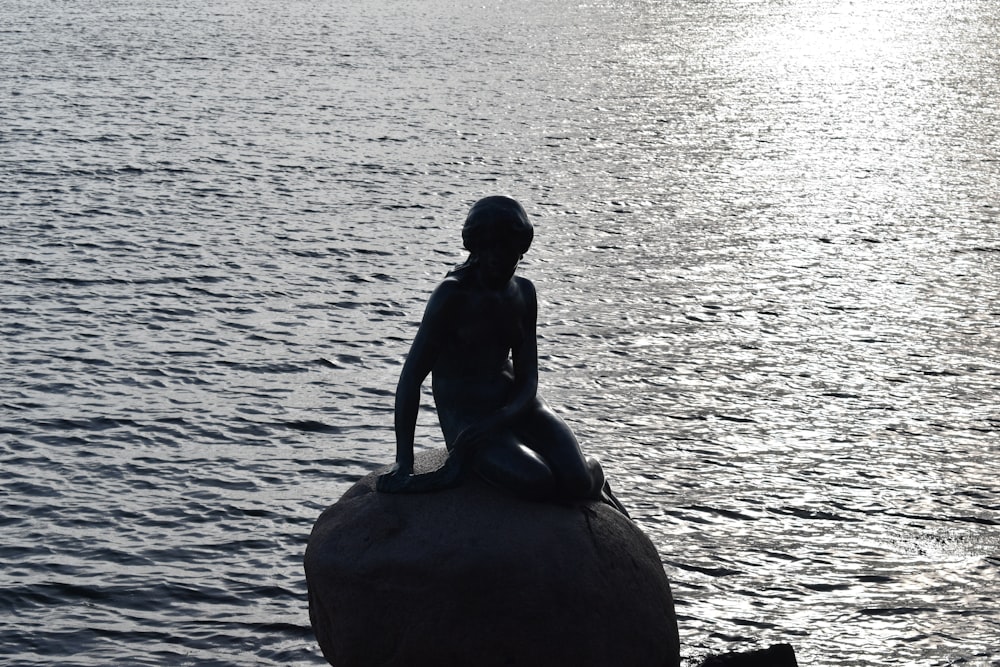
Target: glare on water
766 252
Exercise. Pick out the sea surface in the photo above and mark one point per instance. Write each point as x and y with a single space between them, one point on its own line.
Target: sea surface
768 259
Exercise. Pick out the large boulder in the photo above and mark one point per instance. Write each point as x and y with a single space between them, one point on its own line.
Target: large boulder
474 576
779 655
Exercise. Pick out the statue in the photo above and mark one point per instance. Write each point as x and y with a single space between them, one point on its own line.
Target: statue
477 341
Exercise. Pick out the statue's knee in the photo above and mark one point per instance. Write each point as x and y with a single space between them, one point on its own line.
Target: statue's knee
524 476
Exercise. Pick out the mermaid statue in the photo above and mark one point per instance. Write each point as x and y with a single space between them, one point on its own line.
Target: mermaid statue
477 341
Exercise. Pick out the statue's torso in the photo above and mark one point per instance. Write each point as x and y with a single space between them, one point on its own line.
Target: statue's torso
473 375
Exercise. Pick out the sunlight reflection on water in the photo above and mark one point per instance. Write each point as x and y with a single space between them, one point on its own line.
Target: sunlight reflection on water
766 255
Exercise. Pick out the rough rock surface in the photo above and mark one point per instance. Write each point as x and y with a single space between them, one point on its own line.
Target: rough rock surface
779 655
473 576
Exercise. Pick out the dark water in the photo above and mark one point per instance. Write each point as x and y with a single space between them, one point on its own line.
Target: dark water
767 252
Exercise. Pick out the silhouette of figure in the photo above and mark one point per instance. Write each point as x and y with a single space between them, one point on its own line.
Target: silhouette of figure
477 340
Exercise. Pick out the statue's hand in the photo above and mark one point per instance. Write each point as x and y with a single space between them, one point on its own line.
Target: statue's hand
396 480
402 480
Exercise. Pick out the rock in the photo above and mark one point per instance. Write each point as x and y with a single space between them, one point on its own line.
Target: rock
474 576
779 655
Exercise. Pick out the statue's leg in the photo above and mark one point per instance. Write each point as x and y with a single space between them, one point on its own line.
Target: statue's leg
504 461
542 430
576 475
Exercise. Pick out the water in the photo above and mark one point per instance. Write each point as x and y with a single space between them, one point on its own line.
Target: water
767 256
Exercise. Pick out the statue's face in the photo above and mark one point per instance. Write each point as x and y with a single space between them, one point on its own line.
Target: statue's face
497 264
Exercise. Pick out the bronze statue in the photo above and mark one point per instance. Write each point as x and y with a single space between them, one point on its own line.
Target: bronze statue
477 340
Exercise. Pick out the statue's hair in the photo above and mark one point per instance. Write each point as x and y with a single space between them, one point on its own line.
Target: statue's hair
497 220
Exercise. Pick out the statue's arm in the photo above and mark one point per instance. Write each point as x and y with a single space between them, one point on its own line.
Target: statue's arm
524 355
419 362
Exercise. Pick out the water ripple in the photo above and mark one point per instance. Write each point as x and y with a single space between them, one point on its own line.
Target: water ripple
766 254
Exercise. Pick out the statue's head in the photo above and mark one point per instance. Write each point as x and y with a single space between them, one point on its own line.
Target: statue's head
497 222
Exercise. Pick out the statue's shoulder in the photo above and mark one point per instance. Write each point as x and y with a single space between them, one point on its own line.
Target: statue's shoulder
525 287
448 288
446 296
451 281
